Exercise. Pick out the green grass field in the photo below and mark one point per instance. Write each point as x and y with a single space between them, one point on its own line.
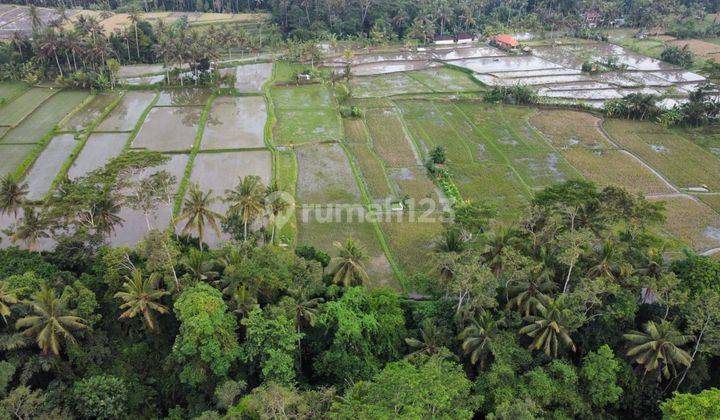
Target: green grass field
372 171
410 240
445 79
312 126
683 162
13 156
45 117
9 90
577 137
13 113
386 85
304 97
711 200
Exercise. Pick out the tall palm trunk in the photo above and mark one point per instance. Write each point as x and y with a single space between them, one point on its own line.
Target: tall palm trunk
57 60
137 42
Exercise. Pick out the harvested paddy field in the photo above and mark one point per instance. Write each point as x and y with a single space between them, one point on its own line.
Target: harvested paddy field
390 139
41 175
99 149
235 123
315 231
578 138
43 119
127 113
325 176
410 238
692 222
89 112
683 162
22 106
168 129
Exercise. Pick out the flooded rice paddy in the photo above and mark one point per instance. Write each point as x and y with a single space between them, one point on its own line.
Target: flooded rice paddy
48 165
168 129
235 123
99 149
126 114
250 77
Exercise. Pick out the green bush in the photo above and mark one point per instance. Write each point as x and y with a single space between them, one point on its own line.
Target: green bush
676 55
100 397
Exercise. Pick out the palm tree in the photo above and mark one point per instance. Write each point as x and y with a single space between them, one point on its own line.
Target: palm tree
430 342
548 329
246 200
478 336
12 194
48 45
609 262
495 242
141 295
31 229
51 323
530 293
134 18
276 204
349 267
199 264
657 347
104 213
452 239
8 297
197 211
243 301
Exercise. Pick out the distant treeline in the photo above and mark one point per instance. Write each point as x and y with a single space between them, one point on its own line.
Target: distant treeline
397 18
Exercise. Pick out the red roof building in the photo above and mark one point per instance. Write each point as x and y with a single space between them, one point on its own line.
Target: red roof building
505 41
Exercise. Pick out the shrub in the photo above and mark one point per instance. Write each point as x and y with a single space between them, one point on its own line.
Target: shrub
518 94
438 155
350 111
676 55
100 397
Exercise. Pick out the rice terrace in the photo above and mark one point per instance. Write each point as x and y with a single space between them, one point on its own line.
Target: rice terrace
359 209
406 104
